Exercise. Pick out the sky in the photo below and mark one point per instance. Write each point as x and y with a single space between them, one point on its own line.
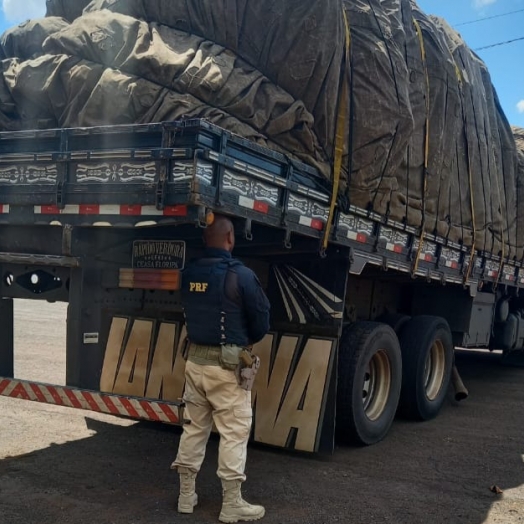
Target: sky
505 62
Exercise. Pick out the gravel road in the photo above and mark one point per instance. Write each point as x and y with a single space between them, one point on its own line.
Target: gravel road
62 466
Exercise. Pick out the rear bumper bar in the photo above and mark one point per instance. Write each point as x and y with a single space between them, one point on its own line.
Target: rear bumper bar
139 408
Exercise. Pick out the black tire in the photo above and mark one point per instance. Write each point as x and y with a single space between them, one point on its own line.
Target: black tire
369 357
427 362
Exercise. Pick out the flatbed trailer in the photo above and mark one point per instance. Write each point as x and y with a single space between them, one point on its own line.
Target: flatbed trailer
366 311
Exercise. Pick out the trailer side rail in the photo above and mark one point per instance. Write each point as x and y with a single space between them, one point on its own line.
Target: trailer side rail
171 173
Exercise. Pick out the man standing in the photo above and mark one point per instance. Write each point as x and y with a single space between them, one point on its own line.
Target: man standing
226 311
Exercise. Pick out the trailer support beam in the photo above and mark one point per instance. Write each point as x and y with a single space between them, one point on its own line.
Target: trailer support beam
6 338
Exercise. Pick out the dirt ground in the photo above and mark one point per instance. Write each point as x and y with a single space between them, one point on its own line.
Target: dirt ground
62 466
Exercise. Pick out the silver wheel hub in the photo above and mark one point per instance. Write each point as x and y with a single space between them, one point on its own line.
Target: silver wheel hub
377 385
434 370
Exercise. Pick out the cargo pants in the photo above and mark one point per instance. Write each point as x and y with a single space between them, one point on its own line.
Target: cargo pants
212 394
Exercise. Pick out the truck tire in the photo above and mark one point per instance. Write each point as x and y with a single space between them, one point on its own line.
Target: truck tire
427 362
369 381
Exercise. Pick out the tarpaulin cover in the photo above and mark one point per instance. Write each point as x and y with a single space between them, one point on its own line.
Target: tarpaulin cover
426 142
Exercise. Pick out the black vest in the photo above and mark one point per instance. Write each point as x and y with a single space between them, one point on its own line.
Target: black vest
212 317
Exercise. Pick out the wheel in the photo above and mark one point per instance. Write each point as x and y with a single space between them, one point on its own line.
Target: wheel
427 358
369 381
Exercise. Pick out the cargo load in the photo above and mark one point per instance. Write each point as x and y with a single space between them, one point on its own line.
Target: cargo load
424 139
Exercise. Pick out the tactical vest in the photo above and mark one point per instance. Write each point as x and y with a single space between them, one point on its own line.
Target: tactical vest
211 318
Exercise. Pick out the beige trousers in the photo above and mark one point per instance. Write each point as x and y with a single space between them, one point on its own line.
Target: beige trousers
212 394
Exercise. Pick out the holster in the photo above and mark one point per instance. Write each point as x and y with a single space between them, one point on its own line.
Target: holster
247 369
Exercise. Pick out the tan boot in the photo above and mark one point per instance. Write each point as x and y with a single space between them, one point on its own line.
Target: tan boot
187 499
234 507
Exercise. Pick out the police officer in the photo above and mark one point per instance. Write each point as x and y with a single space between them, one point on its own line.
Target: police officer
226 310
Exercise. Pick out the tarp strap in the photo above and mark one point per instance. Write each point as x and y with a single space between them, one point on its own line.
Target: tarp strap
426 143
342 116
470 179
472 200
460 79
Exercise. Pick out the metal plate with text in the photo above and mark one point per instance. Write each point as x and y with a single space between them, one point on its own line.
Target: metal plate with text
159 254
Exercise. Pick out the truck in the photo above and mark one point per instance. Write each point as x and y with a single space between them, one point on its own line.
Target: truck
367 305
105 218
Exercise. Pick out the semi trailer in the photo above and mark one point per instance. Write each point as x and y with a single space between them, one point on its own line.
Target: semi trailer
360 149
365 313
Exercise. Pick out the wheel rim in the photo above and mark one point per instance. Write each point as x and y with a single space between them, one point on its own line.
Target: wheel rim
434 370
377 384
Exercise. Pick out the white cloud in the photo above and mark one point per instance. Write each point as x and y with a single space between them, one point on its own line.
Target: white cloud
479 4
520 106
18 11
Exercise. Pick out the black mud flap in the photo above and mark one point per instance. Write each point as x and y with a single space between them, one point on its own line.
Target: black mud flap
308 300
295 389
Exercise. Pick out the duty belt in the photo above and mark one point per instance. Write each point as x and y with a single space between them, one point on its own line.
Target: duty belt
204 355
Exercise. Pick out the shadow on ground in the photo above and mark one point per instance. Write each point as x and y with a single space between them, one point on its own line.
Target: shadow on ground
434 472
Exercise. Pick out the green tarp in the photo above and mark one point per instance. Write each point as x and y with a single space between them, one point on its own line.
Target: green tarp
426 144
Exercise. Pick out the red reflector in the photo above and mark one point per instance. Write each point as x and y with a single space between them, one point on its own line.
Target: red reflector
361 238
261 207
175 211
88 209
317 224
130 210
50 210
397 248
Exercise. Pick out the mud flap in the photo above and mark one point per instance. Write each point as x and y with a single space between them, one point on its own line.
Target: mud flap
308 298
294 393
